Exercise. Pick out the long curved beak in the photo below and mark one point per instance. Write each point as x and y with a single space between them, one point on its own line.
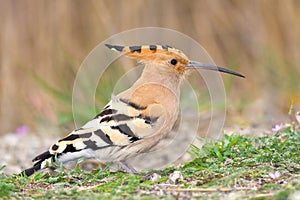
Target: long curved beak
194 64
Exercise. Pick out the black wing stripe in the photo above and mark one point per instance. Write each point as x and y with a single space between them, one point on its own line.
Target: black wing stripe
42 156
134 105
107 106
31 170
76 136
69 148
123 128
103 136
118 117
148 119
69 137
92 145
106 112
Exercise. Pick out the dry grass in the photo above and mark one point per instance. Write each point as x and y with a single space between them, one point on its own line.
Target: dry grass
51 39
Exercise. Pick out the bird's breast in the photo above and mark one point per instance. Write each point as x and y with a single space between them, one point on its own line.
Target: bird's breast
155 101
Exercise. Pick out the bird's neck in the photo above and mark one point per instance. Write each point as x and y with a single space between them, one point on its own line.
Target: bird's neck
160 75
157 85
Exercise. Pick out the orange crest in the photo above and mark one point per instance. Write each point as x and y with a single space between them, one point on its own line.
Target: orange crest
161 54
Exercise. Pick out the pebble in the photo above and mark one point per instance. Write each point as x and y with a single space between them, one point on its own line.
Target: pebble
175 177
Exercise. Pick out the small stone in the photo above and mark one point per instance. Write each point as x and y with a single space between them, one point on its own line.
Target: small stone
155 177
228 161
175 177
152 177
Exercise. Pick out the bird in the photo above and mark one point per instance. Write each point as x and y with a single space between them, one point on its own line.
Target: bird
133 121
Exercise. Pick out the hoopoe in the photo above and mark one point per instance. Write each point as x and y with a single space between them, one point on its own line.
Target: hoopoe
135 120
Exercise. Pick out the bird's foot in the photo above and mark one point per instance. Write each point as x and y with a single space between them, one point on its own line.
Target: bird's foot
126 167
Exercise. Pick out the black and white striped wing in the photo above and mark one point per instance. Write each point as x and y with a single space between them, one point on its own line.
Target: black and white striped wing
119 124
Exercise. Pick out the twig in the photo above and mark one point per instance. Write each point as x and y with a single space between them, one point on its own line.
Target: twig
206 189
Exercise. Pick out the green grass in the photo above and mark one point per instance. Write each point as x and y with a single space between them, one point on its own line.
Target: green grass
233 167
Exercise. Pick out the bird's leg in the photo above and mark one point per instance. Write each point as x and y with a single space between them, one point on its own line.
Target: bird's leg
126 167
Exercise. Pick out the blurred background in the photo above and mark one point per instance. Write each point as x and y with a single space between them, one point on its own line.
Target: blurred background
44 42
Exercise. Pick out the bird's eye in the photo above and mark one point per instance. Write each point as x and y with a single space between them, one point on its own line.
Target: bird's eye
173 61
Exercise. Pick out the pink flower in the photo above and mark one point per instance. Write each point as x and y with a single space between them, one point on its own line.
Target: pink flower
274 175
22 130
277 127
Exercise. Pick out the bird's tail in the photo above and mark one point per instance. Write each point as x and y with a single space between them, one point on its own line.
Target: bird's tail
41 162
74 146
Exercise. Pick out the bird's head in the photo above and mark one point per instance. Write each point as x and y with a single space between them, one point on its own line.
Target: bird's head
167 57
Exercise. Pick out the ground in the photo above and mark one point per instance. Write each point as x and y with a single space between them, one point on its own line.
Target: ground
234 167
